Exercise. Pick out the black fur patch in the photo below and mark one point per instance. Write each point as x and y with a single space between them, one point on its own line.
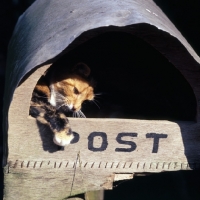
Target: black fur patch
56 122
34 112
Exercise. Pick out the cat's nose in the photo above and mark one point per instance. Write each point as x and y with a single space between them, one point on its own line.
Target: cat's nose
73 109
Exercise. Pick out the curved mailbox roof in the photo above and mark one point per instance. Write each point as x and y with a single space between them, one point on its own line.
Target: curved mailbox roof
48 27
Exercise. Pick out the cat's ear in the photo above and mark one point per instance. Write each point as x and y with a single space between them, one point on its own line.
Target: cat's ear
82 69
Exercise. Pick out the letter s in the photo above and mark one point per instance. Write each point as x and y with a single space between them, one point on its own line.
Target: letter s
131 143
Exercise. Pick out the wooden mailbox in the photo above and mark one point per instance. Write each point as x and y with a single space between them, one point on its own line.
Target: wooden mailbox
105 149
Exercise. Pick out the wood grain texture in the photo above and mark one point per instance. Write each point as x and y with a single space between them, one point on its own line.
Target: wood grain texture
94 195
179 144
105 150
34 160
72 171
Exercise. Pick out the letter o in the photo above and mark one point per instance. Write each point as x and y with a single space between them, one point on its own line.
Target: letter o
104 143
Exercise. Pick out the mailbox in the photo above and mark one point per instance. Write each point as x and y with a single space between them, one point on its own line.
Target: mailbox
149 79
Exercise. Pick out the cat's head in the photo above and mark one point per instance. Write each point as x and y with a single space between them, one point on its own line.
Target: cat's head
72 88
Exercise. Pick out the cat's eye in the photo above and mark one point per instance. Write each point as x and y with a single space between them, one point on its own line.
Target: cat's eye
76 91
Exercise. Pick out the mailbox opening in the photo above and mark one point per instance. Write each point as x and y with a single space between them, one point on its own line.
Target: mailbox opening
133 79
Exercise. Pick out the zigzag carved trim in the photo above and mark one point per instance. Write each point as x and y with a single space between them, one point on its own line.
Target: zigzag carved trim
133 166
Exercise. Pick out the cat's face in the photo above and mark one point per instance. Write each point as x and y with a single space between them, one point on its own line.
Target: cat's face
72 90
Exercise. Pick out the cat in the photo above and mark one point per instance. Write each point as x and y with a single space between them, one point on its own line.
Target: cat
59 92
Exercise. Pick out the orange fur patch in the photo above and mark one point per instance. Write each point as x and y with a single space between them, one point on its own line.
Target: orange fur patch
74 88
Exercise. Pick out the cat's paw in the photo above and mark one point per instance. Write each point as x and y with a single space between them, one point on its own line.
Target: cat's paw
63 138
59 124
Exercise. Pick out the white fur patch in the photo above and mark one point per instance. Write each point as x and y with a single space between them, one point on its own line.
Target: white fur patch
62 141
53 96
70 106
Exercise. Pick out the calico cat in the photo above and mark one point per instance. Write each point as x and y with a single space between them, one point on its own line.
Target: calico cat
59 93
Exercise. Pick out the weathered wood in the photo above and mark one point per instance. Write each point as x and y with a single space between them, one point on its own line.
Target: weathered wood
38 159
33 158
173 141
94 195
104 150
151 145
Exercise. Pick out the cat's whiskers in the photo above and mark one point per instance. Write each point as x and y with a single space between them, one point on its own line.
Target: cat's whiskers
81 114
58 94
59 100
61 106
98 94
60 97
73 114
78 114
96 103
63 100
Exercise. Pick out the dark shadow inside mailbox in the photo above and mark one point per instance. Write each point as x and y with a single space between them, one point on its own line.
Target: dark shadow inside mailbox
132 79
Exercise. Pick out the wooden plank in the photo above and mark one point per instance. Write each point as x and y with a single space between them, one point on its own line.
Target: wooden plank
94 195
104 149
113 144
151 146
46 183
